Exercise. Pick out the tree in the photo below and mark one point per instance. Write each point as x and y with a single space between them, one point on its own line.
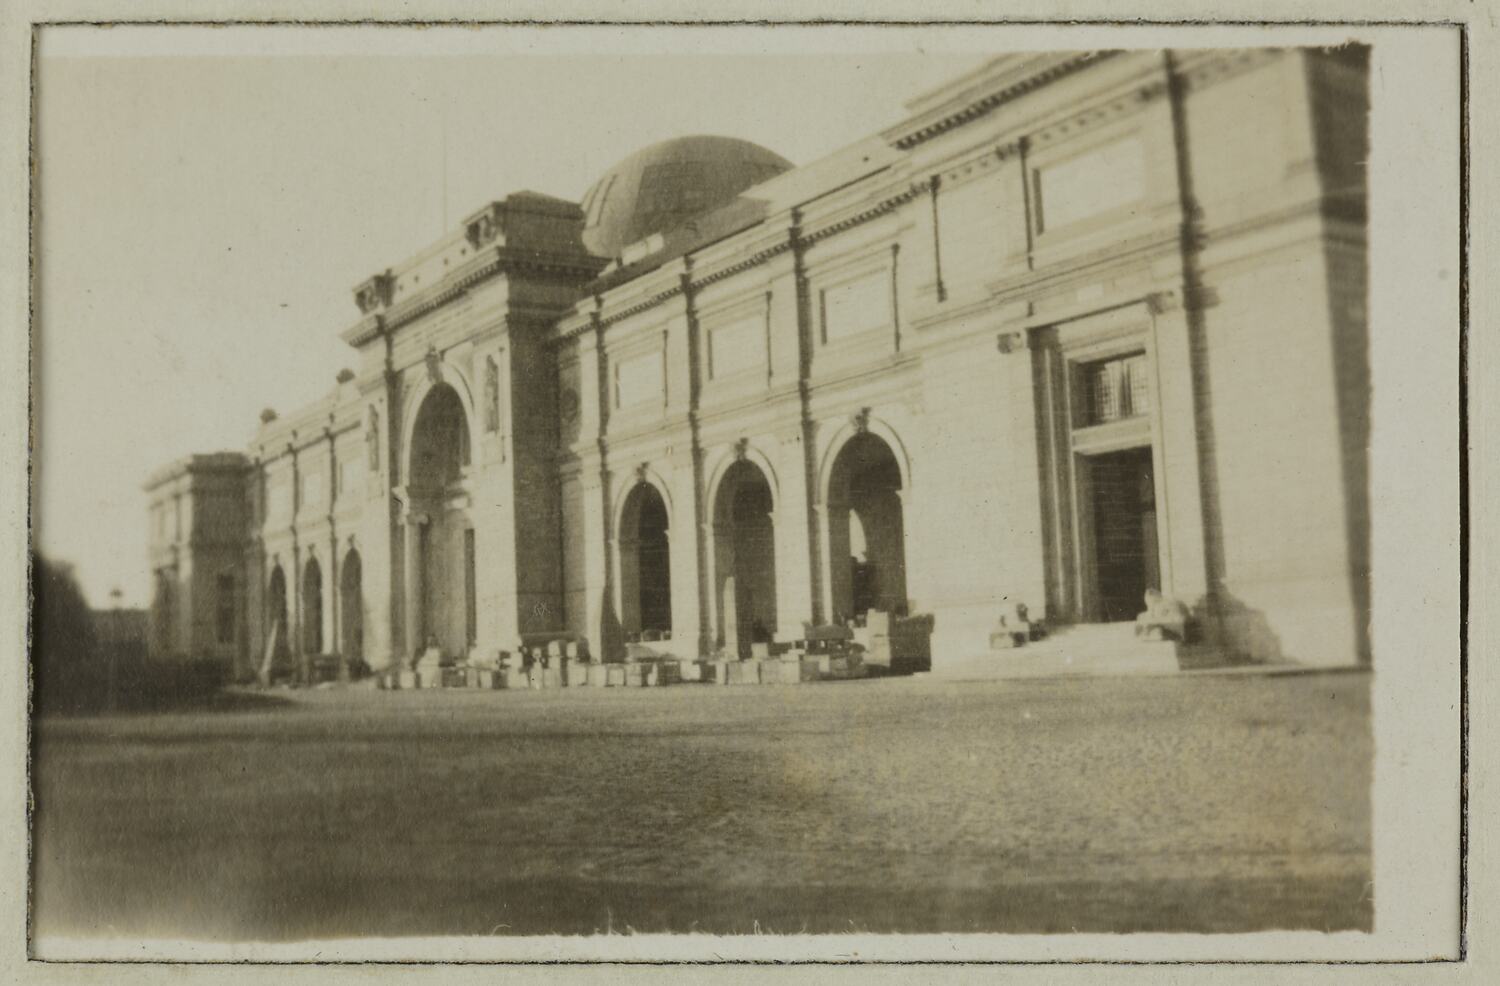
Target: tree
63 648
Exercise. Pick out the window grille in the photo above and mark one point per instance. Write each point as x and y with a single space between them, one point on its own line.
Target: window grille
1115 389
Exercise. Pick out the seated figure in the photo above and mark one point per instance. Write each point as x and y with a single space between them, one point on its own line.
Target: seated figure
1164 619
1013 628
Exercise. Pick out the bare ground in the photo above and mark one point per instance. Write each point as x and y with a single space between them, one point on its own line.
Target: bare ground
1230 803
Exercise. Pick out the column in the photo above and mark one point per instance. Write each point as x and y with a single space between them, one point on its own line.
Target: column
822 513
1179 488
414 577
794 577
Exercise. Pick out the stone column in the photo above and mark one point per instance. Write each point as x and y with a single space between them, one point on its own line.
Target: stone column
709 622
623 566
794 577
1179 491
415 525
822 512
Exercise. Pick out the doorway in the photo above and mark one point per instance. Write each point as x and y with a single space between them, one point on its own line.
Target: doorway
1122 512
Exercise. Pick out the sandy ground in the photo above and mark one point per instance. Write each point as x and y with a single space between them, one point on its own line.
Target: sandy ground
1165 804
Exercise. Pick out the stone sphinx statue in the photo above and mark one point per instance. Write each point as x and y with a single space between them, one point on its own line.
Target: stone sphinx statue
1013 628
1164 619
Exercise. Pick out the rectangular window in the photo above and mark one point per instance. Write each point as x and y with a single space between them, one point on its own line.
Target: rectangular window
224 608
278 498
737 346
857 306
1115 389
1095 182
639 379
351 476
312 487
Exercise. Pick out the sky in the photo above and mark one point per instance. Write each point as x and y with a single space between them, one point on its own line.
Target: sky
206 208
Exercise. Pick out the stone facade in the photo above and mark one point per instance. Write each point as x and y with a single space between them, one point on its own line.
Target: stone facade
1083 324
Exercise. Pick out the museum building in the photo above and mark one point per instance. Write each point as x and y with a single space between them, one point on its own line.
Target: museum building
1080 325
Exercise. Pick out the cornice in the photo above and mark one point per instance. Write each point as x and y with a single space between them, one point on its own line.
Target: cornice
497 260
940 121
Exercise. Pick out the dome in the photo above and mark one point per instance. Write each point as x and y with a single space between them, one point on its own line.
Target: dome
667 184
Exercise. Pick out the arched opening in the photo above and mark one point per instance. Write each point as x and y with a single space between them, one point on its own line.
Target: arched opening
439 440
744 559
277 634
351 609
645 565
442 596
866 533
312 607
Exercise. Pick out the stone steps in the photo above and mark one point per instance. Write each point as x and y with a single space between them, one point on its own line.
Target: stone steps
1087 649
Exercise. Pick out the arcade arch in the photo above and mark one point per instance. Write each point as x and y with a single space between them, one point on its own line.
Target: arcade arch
645 564
867 529
744 545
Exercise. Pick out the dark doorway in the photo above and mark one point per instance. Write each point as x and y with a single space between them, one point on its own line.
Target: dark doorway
867 531
353 616
277 631
645 564
1123 492
312 608
745 559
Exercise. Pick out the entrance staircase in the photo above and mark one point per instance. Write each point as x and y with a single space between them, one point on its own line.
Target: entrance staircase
1082 649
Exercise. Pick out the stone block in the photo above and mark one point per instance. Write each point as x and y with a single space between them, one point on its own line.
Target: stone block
614 675
714 672
846 666
454 678
689 671
512 678
408 679
812 668
597 676
744 672
552 677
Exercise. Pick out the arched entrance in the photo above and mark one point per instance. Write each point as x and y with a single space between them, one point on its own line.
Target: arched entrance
744 559
442 562
312 607
351 609
866 530
277 631
645 564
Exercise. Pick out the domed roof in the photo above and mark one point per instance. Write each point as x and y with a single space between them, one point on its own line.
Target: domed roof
668 184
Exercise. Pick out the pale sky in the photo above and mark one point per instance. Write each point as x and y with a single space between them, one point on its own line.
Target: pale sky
203 219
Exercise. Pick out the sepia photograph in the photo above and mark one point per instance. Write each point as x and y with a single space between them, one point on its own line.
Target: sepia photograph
520 483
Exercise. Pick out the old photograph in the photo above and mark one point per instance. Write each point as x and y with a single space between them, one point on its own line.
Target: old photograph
593 491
